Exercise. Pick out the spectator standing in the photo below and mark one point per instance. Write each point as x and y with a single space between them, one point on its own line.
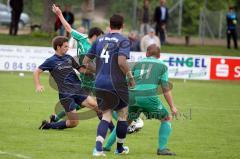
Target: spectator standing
149 39
145 18
87 13
232 28
17 8
134 40
161 19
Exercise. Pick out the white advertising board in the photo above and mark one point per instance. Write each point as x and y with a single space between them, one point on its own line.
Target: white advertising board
24 58
181 66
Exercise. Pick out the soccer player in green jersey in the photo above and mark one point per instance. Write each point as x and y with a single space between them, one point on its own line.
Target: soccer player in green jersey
149 74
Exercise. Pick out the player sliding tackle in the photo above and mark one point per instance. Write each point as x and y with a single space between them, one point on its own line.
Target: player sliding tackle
61 67
149 73
84 43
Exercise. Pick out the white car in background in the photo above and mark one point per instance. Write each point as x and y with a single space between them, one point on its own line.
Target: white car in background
5 16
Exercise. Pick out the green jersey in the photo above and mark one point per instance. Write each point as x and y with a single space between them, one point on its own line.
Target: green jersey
83 46
149 73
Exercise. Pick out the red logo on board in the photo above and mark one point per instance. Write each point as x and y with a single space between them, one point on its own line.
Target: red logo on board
225 68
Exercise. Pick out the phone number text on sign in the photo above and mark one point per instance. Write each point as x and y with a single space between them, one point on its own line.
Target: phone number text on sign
19 66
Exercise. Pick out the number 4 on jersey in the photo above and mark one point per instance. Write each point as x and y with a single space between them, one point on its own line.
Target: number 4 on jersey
105 53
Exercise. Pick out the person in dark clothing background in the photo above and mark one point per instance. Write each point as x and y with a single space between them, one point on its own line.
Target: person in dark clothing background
17 8
135 41
232 28
57 24
145 18
68 15
161 19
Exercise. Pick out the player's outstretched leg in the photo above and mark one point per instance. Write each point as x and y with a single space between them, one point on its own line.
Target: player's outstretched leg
56 125
72 121
164 133
60 115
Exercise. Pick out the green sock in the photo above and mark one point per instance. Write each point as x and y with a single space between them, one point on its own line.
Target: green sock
163 134
78 107
114 115
60 115
111 140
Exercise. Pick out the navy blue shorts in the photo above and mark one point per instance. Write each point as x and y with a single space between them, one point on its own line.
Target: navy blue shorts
113 100
71 101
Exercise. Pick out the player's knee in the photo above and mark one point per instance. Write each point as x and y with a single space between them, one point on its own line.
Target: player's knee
123 114
92 103
167 118
107 115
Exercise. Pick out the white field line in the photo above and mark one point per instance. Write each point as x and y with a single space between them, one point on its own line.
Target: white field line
14 154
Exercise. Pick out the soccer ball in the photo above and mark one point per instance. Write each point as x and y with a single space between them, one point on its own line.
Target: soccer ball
135 126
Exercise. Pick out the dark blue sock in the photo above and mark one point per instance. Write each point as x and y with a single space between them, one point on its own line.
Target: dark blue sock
121 132
111 126
101 131
99 146
58 125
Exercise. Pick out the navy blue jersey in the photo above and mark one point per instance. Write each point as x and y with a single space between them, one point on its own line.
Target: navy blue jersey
106 50
61 69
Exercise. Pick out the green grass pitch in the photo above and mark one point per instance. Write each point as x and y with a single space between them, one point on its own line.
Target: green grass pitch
210 131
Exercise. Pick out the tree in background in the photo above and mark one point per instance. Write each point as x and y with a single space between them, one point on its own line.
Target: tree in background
48 17
214 5
124 8
237 4
190 21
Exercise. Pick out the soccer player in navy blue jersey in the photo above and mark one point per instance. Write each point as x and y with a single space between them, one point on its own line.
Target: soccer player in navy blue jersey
111 52
61 67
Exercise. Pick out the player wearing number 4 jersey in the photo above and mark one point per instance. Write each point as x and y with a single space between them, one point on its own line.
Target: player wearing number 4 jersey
111 52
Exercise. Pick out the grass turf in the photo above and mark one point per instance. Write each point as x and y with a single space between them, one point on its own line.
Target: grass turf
210 131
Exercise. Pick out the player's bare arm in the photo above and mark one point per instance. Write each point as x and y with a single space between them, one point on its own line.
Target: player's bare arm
39 87
122 62
58 12
168 96
90 67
